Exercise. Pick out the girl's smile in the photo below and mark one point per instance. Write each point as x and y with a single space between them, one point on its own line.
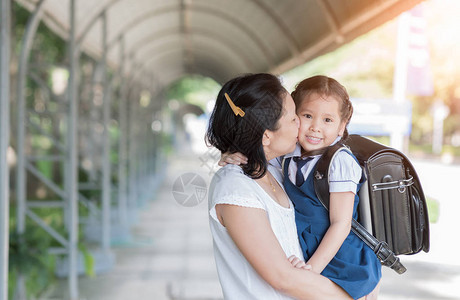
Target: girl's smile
313 140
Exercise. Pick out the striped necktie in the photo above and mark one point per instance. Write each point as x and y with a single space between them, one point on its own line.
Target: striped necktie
299 179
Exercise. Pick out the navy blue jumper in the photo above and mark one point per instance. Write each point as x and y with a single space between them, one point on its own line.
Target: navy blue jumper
355 267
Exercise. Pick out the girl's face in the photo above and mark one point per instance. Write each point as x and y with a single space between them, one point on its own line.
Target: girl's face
284 139
320 121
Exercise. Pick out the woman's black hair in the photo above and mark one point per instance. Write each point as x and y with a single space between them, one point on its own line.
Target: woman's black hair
260 96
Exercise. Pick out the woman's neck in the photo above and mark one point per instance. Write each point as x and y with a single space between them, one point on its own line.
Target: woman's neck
273 189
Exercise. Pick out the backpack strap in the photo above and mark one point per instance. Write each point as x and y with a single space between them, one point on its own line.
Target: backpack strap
321 184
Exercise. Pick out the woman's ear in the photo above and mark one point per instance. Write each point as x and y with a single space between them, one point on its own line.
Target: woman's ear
266 138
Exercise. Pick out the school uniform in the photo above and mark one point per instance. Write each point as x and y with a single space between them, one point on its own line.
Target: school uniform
355 267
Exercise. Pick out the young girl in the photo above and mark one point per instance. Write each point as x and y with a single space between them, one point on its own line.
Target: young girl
328 245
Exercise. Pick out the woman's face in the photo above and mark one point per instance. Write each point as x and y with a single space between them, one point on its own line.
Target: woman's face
284 139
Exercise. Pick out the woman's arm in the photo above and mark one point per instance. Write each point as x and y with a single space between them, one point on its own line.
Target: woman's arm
251 231
340 215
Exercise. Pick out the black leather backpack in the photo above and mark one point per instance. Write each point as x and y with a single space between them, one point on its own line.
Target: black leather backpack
393 215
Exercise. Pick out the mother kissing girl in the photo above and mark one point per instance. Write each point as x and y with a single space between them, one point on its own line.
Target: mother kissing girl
252 220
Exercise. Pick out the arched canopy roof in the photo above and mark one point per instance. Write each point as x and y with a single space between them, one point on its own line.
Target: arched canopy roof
217 38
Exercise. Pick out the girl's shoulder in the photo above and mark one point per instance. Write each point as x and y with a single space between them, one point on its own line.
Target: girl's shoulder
344 156
345 164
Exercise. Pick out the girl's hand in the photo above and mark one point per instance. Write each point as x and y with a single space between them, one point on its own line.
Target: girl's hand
233 159
298 263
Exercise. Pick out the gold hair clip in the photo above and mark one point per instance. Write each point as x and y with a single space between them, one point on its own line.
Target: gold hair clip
236 109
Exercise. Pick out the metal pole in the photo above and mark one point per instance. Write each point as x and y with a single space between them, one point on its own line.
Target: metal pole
5 43
94 117
106 184
130 165
137 146
72 159
129 108
143 179
133 147
143 153
122 147
21 195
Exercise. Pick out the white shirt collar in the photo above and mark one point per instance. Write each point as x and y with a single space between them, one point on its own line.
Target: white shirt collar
297 151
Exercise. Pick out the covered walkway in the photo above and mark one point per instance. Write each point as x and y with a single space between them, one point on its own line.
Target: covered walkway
170 254
92 142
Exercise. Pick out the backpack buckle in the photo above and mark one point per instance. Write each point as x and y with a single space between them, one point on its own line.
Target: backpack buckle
400 185
318 175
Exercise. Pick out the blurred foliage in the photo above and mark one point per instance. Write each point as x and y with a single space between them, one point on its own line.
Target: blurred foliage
433 209
27 249
88 260
365 67
28 252
195 89
47 46
28 255
366 73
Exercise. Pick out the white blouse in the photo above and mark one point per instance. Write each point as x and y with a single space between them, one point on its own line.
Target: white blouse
237 277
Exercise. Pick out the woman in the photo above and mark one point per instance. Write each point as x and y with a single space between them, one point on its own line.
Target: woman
251 217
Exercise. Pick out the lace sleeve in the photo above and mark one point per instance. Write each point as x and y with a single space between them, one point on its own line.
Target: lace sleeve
233 187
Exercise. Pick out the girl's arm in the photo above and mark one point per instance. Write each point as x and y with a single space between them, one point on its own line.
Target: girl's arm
238 158
232 158
340 215
251 231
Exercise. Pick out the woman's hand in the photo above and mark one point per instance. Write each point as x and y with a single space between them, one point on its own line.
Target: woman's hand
298 263
232 158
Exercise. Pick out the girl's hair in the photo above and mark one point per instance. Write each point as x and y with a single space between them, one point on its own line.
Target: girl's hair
260 96
325 86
